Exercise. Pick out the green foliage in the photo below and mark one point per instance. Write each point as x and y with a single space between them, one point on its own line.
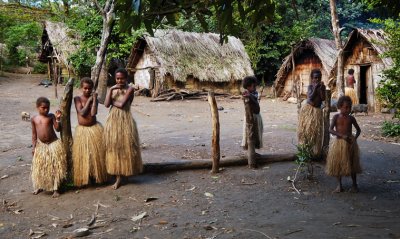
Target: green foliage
40 68
391 129
388 90
304 154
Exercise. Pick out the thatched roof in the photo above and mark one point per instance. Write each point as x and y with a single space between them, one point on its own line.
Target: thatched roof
58 36
200 55
324 49
375 37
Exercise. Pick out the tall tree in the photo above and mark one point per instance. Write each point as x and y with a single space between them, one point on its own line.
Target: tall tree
339 46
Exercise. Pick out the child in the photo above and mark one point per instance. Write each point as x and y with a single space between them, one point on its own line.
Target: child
310 126
249 84
349 89
123 156
49 163
343 157
88 152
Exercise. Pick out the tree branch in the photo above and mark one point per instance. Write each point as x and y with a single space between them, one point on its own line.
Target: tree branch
99 7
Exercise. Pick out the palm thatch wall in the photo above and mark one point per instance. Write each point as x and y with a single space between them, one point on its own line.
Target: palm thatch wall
58 44
363 53
306 55
173 58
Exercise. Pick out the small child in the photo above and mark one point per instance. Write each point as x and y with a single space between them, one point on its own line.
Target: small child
249 84
49 163
349 89
344 157
88 151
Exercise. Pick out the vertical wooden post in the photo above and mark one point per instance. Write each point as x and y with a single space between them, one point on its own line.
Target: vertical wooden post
327 111
65 107
102 83
251 151
216 154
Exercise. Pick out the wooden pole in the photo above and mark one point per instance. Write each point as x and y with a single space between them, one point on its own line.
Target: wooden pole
327 111
216 154
207 163
251 151
65 107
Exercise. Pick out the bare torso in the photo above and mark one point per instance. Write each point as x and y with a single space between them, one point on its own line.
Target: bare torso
43 126
83 107
315 95
343 124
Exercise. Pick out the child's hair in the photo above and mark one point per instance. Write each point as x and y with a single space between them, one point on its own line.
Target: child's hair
350 71
248 81
316 71
344 99
123 71
42 100
88 81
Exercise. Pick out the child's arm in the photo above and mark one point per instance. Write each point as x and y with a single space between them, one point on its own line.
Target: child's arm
127 97
322 91
95 103
34 135
313 90
57 120
358 129
333 125
108 101
80 109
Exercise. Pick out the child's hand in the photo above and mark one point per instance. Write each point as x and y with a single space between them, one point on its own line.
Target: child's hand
114 87
58 114
246 93
94 96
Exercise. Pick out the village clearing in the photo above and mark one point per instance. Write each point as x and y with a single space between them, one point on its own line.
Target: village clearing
236 203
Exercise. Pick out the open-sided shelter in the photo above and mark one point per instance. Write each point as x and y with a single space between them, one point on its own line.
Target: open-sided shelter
173 59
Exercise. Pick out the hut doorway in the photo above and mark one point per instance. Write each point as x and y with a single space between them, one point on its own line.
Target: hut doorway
365 85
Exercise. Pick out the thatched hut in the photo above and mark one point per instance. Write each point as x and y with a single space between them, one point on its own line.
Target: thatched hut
306 55
195 61
362 54
58 44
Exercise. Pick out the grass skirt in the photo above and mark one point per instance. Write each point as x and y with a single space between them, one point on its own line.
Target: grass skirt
343 158
49 166
258 134
123 156
352 94
88 155
310 128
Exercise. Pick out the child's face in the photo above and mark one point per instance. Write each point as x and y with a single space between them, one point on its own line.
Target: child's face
120 78
251 88
43 108
87 89
316 78
345 108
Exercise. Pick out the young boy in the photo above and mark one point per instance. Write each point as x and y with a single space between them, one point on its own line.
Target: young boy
349 89
88 151
49 163
249 84
310 126
344 157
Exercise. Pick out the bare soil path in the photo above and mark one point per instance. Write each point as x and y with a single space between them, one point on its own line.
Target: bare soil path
237 203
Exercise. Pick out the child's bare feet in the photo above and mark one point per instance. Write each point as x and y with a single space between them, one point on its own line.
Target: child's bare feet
56 194
117 183
37 191
354 189
338 190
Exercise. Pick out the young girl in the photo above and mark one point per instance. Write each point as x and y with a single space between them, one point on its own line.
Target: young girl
88 152
49 163
344 157
249 84
123 157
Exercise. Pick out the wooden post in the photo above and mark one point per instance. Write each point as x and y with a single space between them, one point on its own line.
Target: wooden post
102 84
251 151
65 107
327 111
216 154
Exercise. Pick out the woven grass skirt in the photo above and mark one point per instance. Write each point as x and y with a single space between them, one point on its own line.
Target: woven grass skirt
310 128
343 158
259 129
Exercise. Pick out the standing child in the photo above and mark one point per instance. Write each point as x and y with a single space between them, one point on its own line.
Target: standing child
310 126
344 157
249 84
49 163
349 89
123 157
88 152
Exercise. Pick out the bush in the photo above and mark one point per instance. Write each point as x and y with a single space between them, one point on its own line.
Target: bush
40 68
391 129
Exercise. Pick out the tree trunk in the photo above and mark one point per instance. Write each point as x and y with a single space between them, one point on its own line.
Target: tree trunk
108 22
327 111
339 46
102 86
65 107
251 151
215 132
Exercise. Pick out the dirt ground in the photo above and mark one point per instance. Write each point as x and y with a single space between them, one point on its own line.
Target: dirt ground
237 203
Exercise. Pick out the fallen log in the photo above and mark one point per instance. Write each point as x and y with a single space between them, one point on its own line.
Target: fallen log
207 163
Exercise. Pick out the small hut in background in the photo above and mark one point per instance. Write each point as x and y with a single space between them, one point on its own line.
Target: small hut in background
58 44
362 54
305 56
173 59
